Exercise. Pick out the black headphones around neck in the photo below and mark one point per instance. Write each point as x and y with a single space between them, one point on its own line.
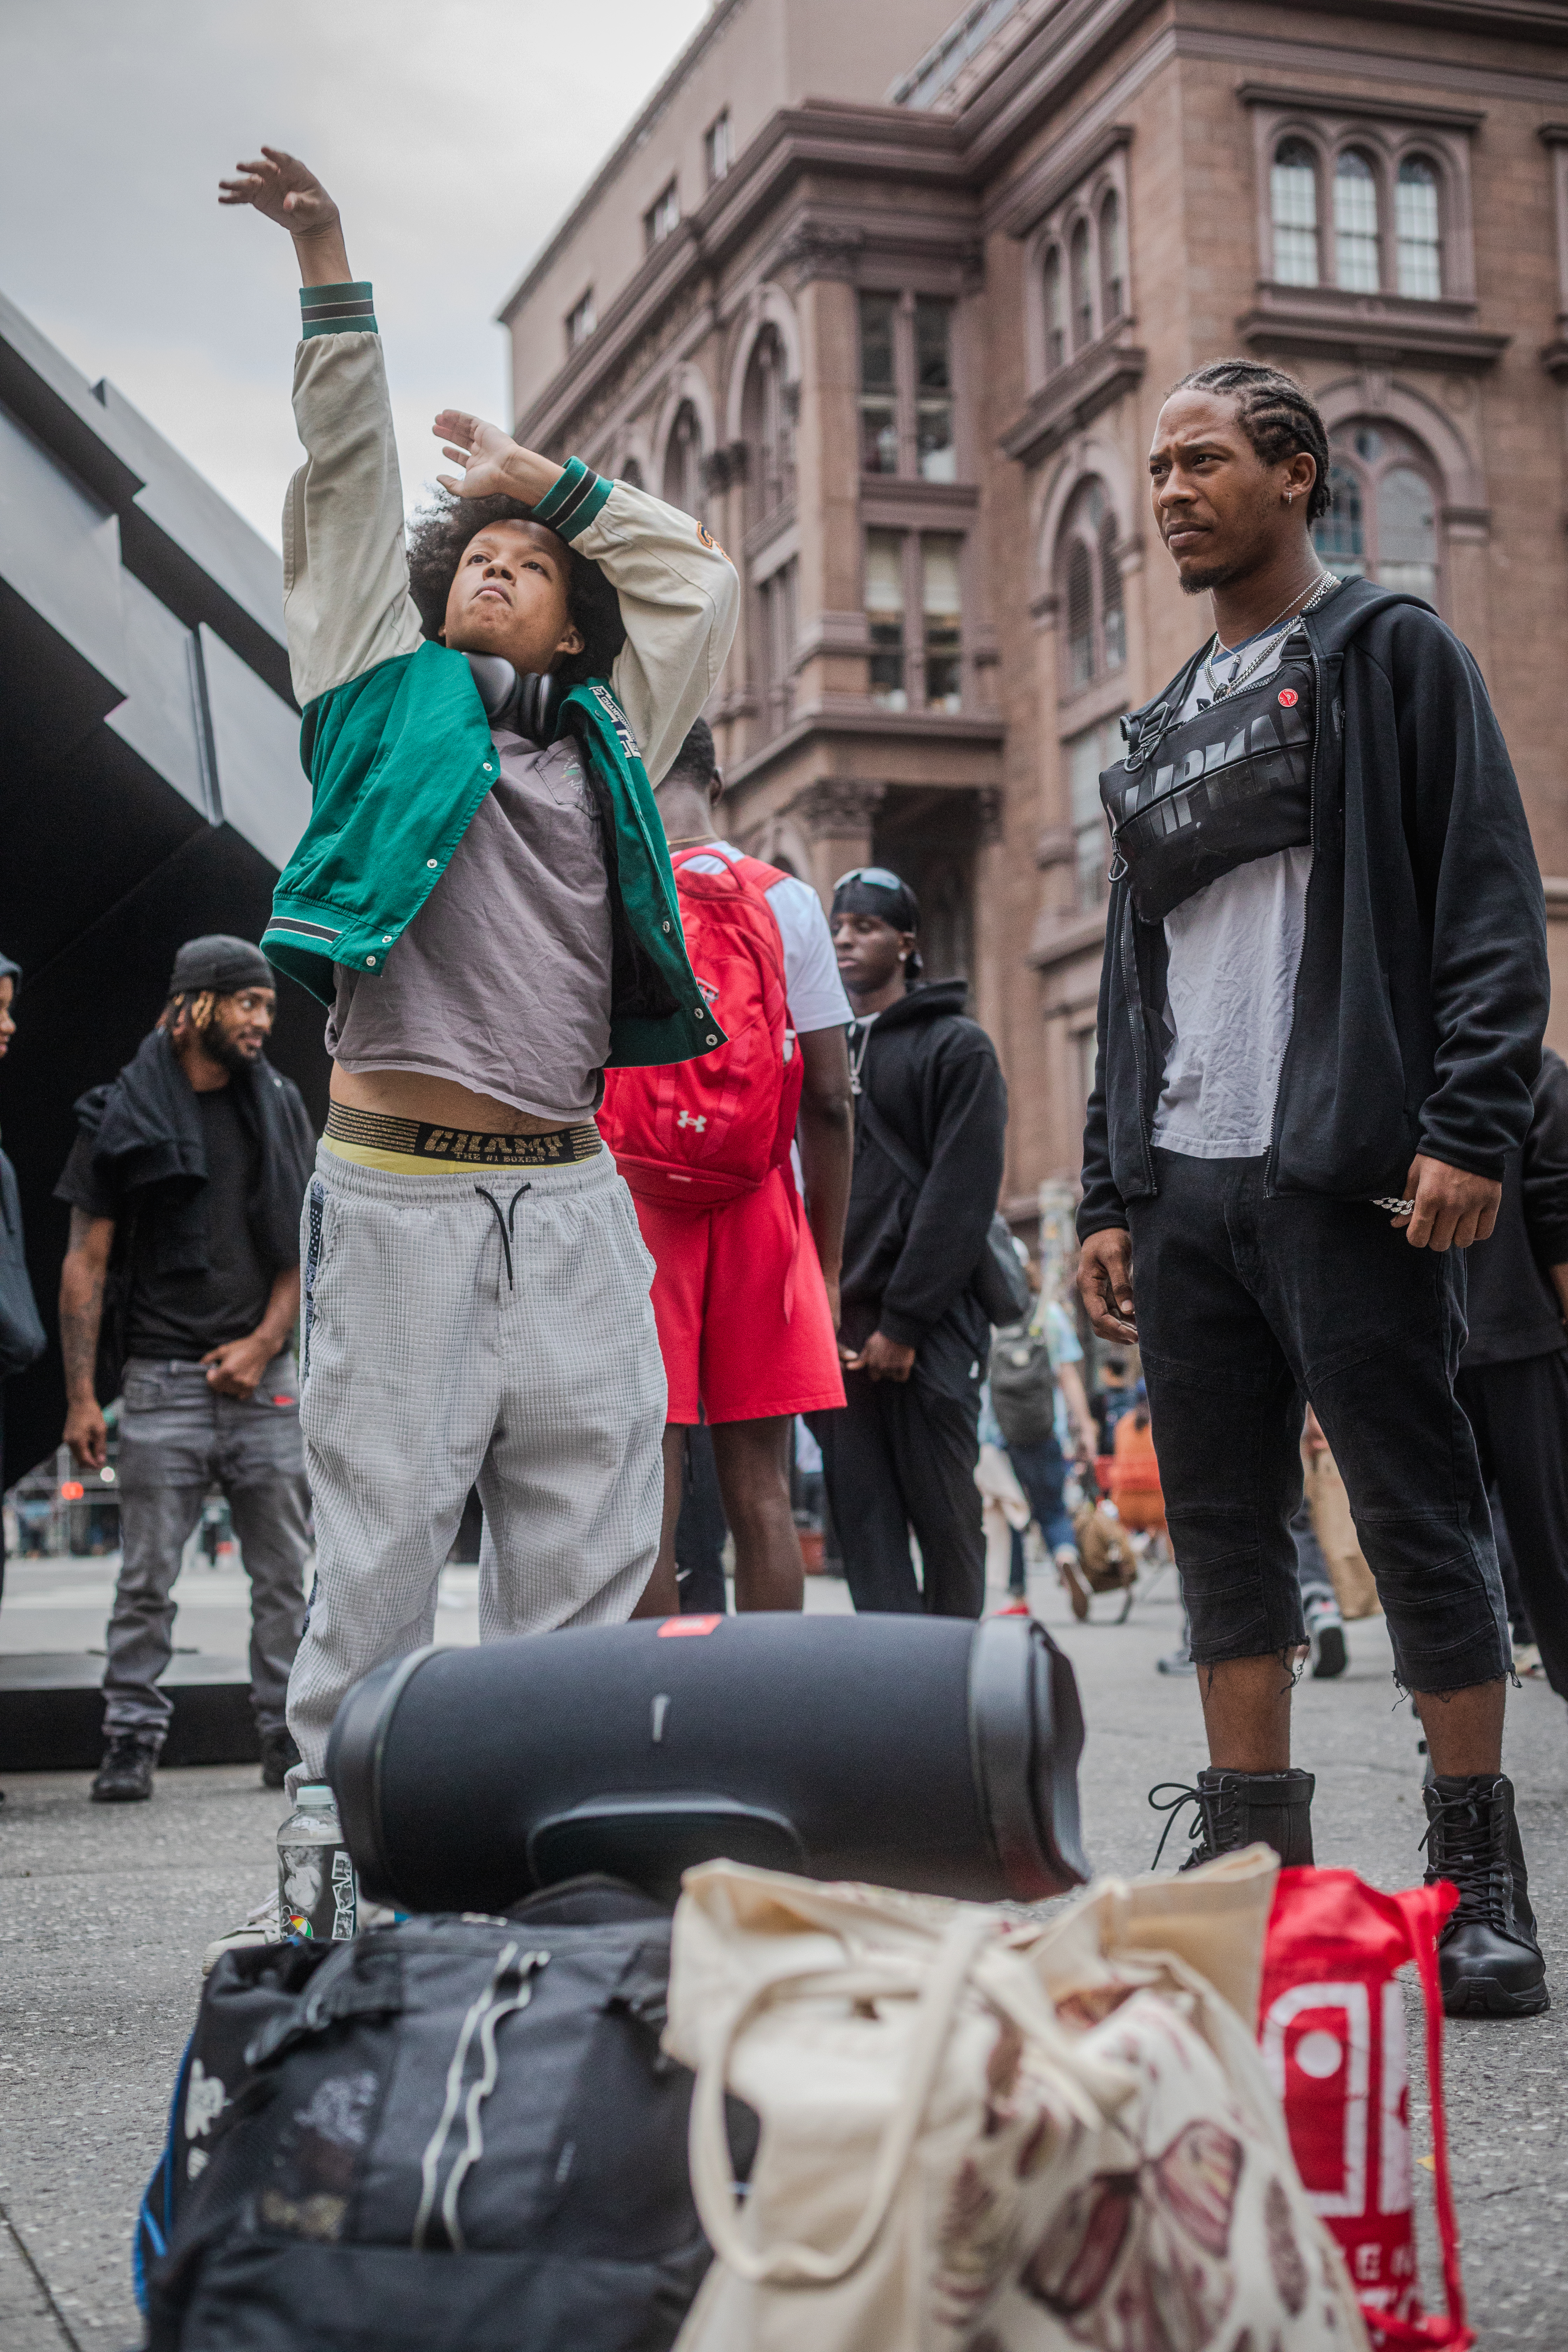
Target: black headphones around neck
527 701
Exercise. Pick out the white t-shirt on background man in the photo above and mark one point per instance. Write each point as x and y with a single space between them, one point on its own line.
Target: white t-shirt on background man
816 998
1234 949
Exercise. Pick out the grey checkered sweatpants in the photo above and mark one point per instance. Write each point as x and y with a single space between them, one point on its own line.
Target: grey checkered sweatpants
450 1343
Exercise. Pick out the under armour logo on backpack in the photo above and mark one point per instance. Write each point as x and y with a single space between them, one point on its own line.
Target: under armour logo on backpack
691 1118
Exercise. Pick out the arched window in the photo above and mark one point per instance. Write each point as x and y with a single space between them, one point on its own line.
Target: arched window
1417 230
1082 287
631 474
1293 201
1056 312
683 463
768 429
1384 523
1355 223
1112 286
1094 618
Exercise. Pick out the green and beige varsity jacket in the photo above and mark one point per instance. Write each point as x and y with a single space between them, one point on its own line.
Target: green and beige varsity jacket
395 739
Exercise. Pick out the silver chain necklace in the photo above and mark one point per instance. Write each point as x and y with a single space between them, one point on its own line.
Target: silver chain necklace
858 1052
1275 630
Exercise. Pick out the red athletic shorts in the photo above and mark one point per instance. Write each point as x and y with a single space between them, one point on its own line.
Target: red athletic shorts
742 1307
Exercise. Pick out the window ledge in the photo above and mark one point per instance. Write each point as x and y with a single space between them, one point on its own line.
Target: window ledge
1059 937
1104 696
1340 324
905 502
1075 395
854 715
761 535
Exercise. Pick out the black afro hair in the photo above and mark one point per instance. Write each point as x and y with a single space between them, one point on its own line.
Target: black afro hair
437 537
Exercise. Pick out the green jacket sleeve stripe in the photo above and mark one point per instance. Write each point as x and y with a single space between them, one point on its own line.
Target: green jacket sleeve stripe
570 504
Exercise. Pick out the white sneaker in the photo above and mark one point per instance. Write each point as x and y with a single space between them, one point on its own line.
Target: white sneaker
263 1926
257 1926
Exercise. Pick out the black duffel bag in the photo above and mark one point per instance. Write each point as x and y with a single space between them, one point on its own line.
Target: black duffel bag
455 2135
930 1753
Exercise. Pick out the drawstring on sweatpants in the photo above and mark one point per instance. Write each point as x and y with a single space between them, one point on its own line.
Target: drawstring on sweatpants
505 1223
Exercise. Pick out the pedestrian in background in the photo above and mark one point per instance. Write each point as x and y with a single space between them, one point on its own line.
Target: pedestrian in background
745 1285
931 1118
1514 1373
180 1291
1037 1397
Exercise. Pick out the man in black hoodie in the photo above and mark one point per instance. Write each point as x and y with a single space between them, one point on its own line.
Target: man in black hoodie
931 1115
1321 1012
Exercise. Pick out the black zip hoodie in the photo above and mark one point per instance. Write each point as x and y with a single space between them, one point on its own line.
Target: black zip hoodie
909 1256
1423 990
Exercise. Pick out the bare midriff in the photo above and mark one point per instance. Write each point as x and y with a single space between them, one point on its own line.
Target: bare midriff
411 1094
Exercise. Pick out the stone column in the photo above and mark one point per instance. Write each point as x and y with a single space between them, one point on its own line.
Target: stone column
836 817
829 611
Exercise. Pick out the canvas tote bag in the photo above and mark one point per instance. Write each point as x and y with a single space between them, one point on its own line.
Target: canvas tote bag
981 2131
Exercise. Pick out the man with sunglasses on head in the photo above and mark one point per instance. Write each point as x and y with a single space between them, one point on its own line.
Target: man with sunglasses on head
931 1116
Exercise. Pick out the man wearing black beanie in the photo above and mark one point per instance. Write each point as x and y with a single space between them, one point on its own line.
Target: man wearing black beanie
179 1293
930 1118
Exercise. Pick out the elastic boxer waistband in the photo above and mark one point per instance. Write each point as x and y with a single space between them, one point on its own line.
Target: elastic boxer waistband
408 1145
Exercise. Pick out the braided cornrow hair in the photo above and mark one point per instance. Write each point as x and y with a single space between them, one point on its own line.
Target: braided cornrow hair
1277 415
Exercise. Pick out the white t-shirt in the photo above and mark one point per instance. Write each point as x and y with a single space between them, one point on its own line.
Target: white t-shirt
1234 949
816 998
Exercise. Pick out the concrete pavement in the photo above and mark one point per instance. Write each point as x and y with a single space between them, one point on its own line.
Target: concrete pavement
107 1911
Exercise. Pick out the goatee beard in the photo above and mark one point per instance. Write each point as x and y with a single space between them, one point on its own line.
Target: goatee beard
226 1051
1213 575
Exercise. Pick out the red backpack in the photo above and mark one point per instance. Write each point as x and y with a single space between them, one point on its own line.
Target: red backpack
696 1133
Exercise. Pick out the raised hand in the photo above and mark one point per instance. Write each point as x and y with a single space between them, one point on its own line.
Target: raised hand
286 191
493 464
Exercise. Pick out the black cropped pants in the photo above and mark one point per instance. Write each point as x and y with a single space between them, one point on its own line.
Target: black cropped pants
1246 1306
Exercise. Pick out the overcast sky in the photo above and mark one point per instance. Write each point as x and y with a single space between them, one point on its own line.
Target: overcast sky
454 133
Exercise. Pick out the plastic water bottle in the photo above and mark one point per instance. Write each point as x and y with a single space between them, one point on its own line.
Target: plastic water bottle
316 1893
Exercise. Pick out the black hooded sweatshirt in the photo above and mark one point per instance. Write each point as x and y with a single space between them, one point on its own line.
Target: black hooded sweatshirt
1422 992
908 1254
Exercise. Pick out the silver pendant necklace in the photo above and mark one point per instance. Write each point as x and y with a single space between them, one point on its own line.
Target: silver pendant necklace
1275 629
857 1054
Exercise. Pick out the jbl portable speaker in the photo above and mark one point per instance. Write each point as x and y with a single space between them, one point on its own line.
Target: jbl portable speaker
930 1753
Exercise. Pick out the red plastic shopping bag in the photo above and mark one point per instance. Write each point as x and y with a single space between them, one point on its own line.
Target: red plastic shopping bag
1330 2024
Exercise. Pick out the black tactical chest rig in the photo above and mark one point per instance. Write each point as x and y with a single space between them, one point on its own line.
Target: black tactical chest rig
1195 798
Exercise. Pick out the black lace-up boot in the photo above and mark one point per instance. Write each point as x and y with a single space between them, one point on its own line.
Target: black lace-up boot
125 1774
1236 1809
1487 1957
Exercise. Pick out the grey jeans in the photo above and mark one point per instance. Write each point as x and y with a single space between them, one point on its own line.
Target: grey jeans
177 1438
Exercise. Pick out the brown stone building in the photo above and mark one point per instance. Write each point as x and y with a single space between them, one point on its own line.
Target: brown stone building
897 326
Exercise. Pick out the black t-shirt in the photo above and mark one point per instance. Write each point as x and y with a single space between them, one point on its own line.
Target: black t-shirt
182 1315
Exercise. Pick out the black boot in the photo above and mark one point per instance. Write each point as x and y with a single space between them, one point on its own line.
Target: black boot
125 1774
1487 1957
1235 1809
277 1754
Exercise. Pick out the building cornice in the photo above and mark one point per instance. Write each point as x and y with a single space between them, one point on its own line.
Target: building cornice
1040 189
896 729
847 143
1334 323
1361 103
1075 396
